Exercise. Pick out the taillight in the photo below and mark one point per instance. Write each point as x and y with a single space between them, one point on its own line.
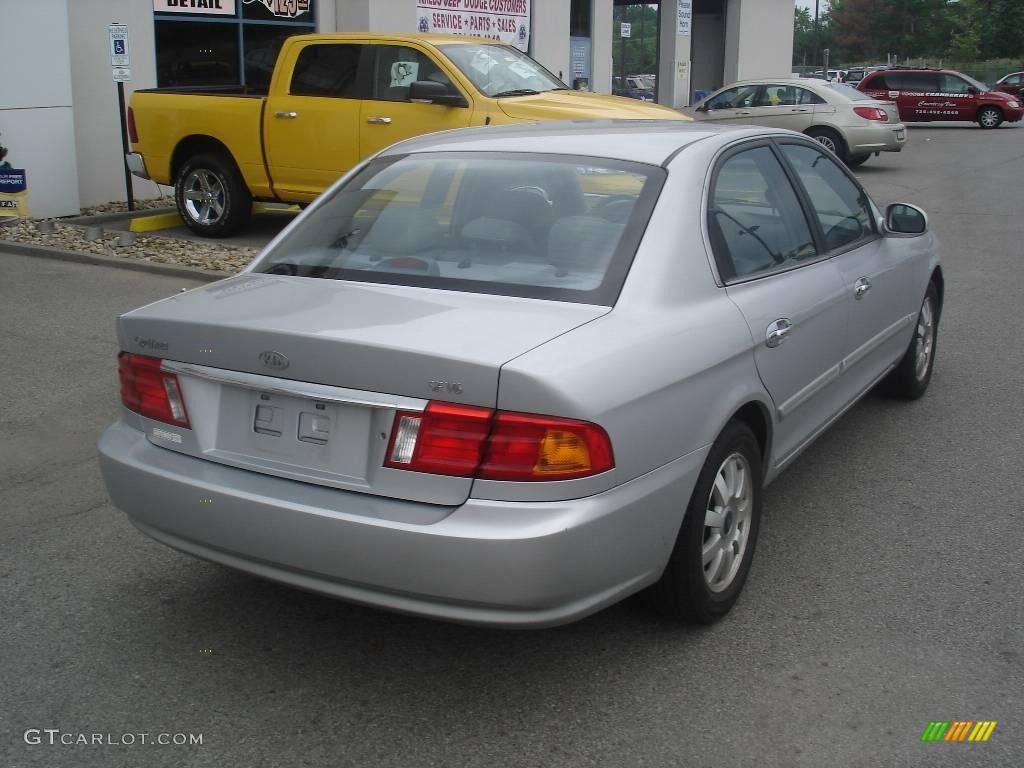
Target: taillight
467 441
526 447
872 113
133 132
149 391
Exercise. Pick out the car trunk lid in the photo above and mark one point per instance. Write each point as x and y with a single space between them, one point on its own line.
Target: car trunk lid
302 377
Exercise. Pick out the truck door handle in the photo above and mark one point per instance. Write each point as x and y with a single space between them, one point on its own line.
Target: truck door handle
286 115
379 120
776 332
861 288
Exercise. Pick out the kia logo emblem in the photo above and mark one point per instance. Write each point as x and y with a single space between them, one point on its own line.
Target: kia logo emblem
274 360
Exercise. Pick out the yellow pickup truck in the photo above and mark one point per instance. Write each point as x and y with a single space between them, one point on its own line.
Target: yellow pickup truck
334 100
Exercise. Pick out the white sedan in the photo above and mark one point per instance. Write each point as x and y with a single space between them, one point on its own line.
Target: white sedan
851 124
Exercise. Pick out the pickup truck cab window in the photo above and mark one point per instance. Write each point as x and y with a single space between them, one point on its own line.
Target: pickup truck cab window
330 70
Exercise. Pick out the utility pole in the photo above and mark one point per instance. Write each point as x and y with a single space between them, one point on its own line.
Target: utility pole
817 32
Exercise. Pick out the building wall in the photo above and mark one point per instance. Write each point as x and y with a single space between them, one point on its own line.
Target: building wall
97 124
37 122
601 42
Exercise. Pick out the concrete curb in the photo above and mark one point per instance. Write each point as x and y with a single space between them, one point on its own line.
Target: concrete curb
59 254
101 218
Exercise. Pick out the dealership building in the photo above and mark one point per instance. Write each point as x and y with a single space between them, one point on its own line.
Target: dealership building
58 100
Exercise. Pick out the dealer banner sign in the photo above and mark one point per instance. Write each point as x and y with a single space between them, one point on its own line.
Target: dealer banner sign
219 7
504 20
13 192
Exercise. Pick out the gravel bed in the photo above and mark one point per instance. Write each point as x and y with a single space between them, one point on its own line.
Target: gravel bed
163 250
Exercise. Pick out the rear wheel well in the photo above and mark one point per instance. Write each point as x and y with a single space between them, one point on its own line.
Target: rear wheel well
191 146
755 416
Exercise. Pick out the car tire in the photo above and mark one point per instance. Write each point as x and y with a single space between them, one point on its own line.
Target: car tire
831 140
689 589
990 117
211 195
910 379
855 161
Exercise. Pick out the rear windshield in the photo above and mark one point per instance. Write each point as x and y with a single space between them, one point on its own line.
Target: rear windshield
536 226
851 93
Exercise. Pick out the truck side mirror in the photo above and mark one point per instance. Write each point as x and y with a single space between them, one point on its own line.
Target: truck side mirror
436 93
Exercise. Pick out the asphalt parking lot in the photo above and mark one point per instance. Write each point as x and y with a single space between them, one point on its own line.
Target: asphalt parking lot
886 591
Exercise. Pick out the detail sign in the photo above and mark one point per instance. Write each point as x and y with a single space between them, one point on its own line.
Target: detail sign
684 16
217 7
504 20
119 56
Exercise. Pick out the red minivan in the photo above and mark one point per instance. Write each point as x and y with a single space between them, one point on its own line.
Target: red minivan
1012 84
926 95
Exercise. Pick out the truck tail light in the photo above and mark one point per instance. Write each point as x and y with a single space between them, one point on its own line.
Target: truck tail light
149 391
466 441
872 113
133 132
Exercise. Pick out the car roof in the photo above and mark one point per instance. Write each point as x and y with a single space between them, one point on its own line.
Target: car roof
421 37
642 141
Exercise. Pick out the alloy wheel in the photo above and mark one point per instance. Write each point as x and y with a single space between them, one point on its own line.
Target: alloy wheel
827 142
924 337
990 118
727 522
203 194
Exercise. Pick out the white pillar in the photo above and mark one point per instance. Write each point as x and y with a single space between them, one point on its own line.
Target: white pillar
674 63
601 46
36 117
375 15
758 39
549 36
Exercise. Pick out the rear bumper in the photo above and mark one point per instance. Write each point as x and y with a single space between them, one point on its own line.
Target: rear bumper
137 165
512 564
879 137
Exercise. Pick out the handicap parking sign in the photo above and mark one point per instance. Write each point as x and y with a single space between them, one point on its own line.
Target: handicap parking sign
118 45
119 49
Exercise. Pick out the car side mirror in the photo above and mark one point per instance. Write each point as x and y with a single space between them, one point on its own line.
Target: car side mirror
429 92
905 220
701 108
972 91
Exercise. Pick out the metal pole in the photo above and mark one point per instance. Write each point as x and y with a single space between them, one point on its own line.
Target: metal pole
124 147
817 32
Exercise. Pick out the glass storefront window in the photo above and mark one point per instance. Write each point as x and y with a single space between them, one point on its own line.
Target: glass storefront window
189 54
235 49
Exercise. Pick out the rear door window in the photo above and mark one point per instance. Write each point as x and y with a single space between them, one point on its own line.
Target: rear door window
779 96
554 227
334 71
756 222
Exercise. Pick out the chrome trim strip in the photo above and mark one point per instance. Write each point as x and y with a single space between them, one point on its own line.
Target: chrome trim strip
137 165
809 391
783 462
309 390
876 341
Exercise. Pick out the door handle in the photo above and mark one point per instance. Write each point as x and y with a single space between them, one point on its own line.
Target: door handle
286 115
776 332
379 120
861 288
800 110
744 113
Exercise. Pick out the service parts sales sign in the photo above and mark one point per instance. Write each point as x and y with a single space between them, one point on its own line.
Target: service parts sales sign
504 20
221 7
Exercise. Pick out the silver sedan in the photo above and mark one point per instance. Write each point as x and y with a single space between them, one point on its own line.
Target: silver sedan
512 375
851 124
